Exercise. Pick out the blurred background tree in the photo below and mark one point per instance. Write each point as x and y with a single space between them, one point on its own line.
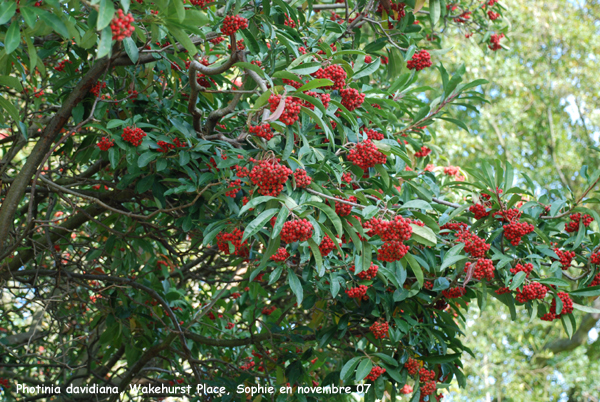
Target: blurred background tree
544 118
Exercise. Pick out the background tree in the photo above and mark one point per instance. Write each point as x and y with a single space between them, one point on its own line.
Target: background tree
242 193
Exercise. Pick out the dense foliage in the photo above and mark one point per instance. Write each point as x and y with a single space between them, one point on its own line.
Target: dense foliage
244 193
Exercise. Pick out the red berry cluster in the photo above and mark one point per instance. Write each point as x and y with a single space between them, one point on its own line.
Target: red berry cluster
565 257
301 178
392 251
479 211
534 290
232 23
229 325
368 274
281 255
359 292
573 226
412 365
289 22
291 112
4 383
235 237
396 229
454 293
298 230
495 42
595 281
293 83
419 61
397 7
368 59
452 170
270 176
493 15
335 73
133 135
567 307
343 209
456 226
426 375
373 135
247 366
97 88
502 291
510 215
268 310
201 3
365 155
347 177
375 373
326 246
121 26
351 98
262 131
236 295
527 268
241 171
234 185
61 65
380 329
514 231
595 258
406 389
428 388
105 144
217 40
423 152
474 245
484 268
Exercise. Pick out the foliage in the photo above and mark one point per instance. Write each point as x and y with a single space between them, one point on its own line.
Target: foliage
185 208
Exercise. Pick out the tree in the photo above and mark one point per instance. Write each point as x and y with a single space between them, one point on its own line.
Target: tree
228 194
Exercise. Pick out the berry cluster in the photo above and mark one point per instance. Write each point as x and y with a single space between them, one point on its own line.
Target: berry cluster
495 42
376 371
406 389
234 185
397 7
359 292
474 245
368 59
235 237
456 226
567 307
343 209
368 274
165 146
412 365
232 23
241 171
595 281
281 255
289 22
501 291
493 15
479 211
365 155
514 231
392 251
347 177
270 176
301 178
423 152
484 268
334 73
326 246
426 375
573 226
534 290
201 3
262 131
452 170
510 215
527 268
351 98
268 310
565 257
97 88
298 230
133 135
595 258
396 229
293 83
454 293
121 26
291 112
419 61
60 67
229 325
428 388
105 144
380 329
373 135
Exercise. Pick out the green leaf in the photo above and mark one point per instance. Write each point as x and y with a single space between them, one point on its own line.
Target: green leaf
423 235
567 325
587 309
439 359
316 83
180 9
368 69
29 15
281 217
146 158
586 292
386 358
7 10
416 268
306 68
296 286
554 281
333 217
420 204
105 42
254 202
318 258
349 368
183 39
10 108
517 280
434 11
363 370
106 12
250 66
131 49
13 38
259 222
450 260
